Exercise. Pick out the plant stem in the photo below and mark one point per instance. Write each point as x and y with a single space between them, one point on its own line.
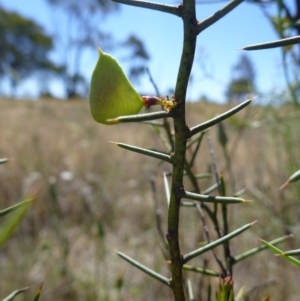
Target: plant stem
181 136
152 5
218 15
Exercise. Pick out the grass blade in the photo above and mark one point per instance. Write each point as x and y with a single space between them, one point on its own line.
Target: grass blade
10 225
38 293
14 207
15 293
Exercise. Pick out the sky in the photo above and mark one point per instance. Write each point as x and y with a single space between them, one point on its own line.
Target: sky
217 47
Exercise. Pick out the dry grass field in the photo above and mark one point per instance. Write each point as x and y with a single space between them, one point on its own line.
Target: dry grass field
95 198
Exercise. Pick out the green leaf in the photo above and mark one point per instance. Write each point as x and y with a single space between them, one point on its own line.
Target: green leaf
225 289
14 207
111 93
38 293
15 293
10 225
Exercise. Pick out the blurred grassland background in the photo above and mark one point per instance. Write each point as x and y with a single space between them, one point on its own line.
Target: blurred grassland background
94 198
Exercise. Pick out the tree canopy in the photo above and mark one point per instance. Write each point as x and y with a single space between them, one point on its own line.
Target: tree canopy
242 82
79 29
25 47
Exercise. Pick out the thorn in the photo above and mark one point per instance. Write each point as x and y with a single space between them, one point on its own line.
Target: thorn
284 185
41 287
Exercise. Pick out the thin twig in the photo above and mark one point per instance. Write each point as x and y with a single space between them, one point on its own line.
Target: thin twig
214 162
260 286
199 139
174 10
217 16
152 81
192 177
224 208
215 219
206 233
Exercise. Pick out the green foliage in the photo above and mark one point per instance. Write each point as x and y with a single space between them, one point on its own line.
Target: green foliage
111 94
225 290
11 224
117 195
17 213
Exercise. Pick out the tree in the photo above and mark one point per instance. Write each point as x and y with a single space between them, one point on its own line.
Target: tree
24 48
138 57
243 80
78 26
